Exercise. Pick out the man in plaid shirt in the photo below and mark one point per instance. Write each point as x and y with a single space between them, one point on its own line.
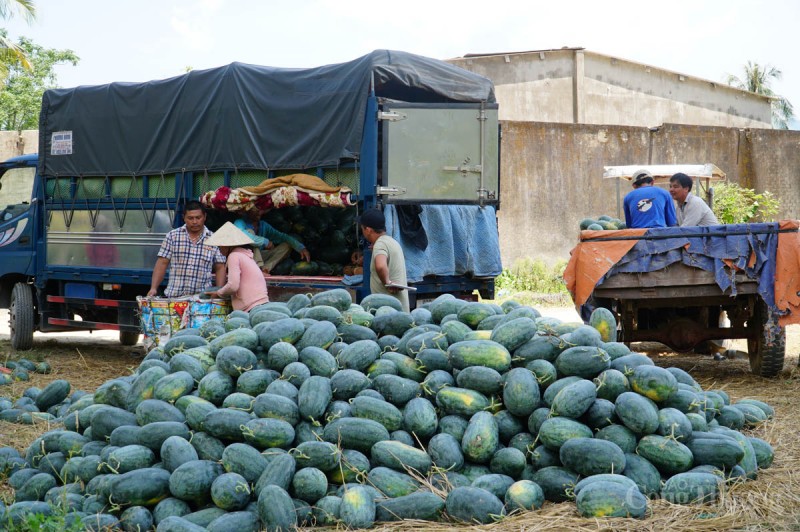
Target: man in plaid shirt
189 260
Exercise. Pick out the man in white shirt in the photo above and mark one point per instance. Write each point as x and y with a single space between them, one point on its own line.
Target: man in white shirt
691 210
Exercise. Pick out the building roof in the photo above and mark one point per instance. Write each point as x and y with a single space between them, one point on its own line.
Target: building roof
576 48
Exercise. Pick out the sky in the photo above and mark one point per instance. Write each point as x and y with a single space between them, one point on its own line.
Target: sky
126 40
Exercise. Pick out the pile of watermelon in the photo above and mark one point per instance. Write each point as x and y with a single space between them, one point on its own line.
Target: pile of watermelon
318 411
330 235
602 223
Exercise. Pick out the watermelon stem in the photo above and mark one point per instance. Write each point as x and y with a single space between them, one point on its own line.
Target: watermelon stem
110 467
298 454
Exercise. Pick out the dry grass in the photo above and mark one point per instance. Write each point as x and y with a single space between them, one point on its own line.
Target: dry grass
769 503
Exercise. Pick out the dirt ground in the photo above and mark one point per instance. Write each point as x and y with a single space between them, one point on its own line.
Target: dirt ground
769 503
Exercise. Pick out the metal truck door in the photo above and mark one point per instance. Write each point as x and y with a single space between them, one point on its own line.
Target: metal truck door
17 219
440 153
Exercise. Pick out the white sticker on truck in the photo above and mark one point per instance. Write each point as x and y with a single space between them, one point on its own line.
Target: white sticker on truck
61 143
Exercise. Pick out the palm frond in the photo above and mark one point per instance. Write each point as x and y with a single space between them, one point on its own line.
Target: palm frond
11 52
758 78
25 8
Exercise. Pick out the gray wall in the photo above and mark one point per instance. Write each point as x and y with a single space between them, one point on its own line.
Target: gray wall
583 87
551 174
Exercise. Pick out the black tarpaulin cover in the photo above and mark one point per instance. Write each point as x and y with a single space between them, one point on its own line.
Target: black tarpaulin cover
237 116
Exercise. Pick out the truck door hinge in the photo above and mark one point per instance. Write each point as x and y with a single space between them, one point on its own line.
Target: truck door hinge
391 116
389 191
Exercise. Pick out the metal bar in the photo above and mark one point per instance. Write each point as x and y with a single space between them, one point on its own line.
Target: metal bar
481 187
89 274
93 326
304 278
429 201
119 240
115 303
662 292
690 235
658 335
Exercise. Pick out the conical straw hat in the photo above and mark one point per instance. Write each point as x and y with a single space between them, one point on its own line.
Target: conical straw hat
229 235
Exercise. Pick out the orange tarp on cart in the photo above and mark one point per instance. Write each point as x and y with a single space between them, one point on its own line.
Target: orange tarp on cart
591 259
787 273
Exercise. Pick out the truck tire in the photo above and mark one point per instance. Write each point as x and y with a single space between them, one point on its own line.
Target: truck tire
128 338
766 358
21 314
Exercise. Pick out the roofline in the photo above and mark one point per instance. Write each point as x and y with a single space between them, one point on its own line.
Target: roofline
470 56
720 84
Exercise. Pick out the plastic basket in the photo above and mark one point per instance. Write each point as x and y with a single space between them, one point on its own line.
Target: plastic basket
161 317
202 310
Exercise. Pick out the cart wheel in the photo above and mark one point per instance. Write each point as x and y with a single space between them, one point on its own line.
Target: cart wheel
766 358
129 338
21 314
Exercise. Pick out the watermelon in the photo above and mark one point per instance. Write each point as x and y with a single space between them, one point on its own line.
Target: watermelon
611 499
605 322
473 505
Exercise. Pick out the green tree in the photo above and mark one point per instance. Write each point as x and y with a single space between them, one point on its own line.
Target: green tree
21 92
9 52
738 205
758 78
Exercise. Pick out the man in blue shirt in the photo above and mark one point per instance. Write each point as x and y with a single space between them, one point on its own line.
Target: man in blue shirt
648 205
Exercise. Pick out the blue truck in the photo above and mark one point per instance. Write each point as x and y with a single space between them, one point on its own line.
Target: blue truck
81 222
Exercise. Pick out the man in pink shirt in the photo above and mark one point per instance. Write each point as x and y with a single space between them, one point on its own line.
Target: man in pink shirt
245 282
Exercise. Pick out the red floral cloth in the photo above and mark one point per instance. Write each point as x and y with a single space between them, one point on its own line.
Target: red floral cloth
284 194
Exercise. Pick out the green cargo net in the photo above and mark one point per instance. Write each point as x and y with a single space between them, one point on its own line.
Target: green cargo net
337 177
207 181
119 194
342 177
213 180
110 187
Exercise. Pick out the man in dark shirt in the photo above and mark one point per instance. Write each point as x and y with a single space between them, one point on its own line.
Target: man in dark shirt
648 205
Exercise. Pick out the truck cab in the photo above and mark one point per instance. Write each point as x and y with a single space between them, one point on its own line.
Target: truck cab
19 234
54 264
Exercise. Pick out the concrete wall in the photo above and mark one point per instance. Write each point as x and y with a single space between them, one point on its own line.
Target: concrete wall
551 174
772 162
13 144
582 87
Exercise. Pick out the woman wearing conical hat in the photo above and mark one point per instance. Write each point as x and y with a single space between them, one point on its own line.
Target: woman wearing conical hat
245 282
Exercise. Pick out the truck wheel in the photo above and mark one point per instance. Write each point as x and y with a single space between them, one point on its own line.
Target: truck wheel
766 358
21 316
128 338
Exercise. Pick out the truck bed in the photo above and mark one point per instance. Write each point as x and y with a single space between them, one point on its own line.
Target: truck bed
675 281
